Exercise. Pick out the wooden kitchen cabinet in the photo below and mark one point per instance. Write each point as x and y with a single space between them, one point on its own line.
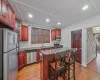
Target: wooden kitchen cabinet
25 57
4 11
24 33
11 16
7 15
55 33
58 32
22 59
38 55
0 8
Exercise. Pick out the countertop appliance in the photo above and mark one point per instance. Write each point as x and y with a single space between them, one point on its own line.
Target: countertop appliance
8 54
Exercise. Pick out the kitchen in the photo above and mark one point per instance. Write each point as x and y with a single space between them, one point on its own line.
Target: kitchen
34 32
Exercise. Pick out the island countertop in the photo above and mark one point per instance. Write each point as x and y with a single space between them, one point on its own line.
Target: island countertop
54 51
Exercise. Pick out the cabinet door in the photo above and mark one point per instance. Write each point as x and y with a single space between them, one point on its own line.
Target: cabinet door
53 35
25 57
4 11
0 8
24 33
11 16
20 60
58 32
38 55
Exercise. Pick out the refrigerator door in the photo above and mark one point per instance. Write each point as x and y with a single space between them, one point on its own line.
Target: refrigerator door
9 40
1 55
5 66
10 65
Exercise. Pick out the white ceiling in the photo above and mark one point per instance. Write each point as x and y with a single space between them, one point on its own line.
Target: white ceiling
65 11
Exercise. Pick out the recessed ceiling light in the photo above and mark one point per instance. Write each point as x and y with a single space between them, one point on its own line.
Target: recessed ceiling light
47 20
85 7
30 15
97 29
58 23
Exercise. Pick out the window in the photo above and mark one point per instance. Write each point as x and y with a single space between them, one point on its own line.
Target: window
40 35
34 35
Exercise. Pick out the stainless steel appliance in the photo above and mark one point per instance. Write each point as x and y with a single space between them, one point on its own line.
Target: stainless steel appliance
28 58
58 38
31 57
8 54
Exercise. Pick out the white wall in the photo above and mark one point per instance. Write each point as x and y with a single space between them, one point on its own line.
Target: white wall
27 44
66 34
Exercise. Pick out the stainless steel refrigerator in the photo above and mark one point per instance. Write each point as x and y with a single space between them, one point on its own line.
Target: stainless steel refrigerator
8 54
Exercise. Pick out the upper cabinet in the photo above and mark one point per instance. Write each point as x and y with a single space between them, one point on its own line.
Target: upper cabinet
7 15
4 11
58 32
55 33
11 16
24 33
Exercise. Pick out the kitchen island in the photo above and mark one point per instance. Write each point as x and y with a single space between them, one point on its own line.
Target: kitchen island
47 56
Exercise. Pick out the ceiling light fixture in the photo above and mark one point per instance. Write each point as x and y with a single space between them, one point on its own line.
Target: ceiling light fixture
30 15
58 23
47 20
85 7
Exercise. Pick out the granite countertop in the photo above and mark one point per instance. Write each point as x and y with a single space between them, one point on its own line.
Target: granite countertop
34 48
54 51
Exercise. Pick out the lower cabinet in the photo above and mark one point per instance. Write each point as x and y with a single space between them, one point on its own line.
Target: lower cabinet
22 59
38 55
25 58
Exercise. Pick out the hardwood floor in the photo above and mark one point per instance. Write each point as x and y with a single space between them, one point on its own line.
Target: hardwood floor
32 72
95 63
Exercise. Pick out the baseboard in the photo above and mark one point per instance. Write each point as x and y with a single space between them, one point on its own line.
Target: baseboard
91 58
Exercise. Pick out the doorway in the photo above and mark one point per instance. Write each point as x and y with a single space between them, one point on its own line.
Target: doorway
76 42
94 63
